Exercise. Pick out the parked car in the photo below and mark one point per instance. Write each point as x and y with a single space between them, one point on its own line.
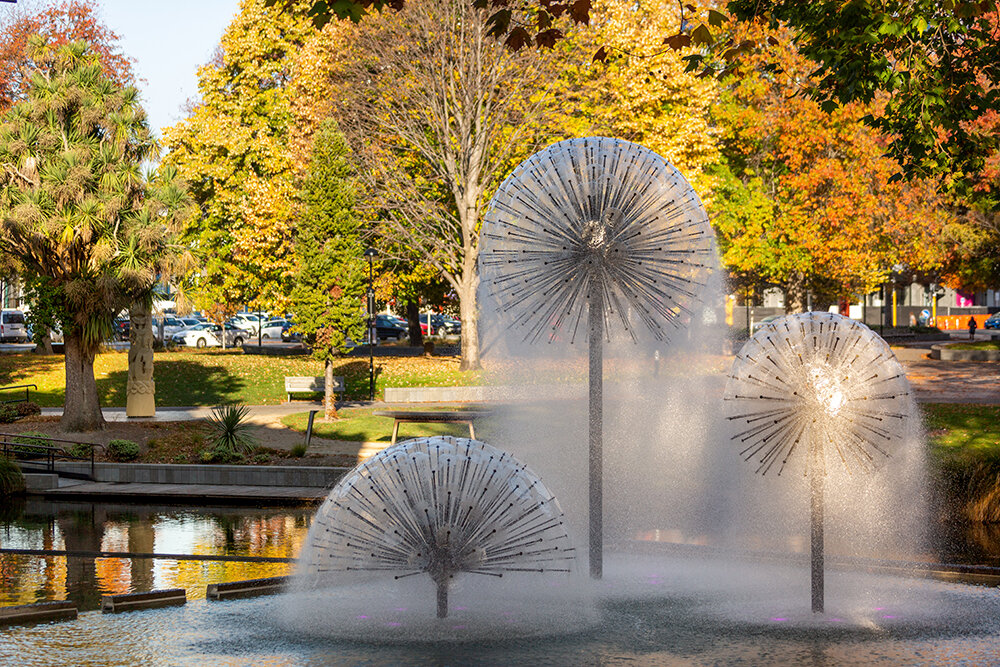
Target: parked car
123 328
273 329
210 335
765 321
12 328
440 324
387 328
992 322
248 321
287 333
171 326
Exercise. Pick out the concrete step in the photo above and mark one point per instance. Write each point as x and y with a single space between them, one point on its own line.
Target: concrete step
40 481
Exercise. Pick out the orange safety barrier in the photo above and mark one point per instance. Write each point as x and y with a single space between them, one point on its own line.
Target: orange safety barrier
955 322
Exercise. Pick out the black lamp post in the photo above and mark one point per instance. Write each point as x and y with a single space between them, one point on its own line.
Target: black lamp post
370 255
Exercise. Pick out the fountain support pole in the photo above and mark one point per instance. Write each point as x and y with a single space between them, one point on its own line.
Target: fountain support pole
442 596
596 377
816 485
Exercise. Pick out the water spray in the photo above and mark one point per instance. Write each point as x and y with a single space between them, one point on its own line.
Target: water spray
815 390
603 226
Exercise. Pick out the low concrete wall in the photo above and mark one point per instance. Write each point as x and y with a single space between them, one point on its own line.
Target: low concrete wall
948 353
435 394
165 473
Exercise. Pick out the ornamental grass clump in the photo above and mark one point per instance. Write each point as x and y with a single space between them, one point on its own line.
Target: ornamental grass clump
229 436
11 478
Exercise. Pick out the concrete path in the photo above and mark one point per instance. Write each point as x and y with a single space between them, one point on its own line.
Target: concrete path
259 414
937 381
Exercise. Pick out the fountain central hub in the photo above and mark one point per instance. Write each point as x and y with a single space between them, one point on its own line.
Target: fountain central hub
826 390
598 234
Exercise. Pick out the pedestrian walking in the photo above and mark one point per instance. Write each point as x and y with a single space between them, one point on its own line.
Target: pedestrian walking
972 328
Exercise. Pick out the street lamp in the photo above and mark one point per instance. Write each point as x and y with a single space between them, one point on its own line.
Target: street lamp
370 255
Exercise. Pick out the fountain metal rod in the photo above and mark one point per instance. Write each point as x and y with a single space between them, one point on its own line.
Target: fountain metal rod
816 484
596 372
442 597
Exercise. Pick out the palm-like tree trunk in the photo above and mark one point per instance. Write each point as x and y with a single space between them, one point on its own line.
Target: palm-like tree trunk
82 411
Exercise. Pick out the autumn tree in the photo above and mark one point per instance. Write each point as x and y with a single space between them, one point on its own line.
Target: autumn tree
640 91
59 23
807 198
75 207
234 151
330 285
438 114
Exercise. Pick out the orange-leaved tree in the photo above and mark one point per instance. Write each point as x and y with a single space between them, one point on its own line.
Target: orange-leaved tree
59 23
807 199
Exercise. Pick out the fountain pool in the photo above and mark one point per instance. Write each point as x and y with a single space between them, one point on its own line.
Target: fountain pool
648 610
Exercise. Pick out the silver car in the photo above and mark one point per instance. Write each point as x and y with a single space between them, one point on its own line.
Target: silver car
209 334
12 328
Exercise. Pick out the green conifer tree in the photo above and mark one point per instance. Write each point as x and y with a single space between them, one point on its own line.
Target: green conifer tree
330 287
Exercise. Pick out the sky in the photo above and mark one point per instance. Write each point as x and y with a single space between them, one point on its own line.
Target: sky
169 42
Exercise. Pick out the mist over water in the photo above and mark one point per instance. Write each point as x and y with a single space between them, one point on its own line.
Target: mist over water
672 473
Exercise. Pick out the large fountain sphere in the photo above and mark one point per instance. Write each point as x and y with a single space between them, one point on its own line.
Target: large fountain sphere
595 219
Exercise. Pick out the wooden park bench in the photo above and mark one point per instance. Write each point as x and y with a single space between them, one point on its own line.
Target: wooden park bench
432 417
296 384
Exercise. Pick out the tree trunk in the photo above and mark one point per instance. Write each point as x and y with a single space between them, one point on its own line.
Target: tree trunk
140 391
413 322
329 403
469 312
82 411
44 345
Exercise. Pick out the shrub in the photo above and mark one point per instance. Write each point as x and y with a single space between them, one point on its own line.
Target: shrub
299 450
230 434
217 455
123 450
32 443
11 478
81 450
261 459
27 408
8 414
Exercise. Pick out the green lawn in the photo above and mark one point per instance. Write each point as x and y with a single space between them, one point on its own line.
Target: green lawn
358 424
964 443
980 345
962 432
210 377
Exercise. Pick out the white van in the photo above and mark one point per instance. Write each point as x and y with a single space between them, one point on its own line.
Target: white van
12 329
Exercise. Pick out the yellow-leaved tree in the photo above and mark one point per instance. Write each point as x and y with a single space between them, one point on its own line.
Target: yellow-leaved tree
234 151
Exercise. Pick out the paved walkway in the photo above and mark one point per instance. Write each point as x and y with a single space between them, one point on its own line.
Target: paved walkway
936 381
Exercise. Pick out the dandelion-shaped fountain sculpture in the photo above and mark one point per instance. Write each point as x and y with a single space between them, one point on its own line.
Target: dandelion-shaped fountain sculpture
601 222
440 506
817 389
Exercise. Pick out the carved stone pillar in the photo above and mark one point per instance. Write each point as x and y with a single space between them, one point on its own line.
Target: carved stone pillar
140 391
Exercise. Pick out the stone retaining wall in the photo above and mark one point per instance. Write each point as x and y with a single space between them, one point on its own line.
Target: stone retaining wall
948 353
165 473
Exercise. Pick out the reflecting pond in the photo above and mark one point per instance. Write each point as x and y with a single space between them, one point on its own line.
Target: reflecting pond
74 526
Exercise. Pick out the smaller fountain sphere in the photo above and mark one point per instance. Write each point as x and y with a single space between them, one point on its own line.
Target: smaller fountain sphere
820 383
438 506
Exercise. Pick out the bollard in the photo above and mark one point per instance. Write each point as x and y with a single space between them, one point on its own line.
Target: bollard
247 588
113 604
37 613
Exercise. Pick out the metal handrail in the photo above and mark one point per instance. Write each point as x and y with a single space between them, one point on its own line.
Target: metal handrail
11 450
27 392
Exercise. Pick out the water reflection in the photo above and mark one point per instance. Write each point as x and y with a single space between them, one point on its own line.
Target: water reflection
140 529
272 532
